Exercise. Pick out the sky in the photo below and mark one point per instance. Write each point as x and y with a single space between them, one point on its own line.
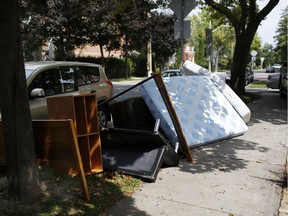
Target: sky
267 28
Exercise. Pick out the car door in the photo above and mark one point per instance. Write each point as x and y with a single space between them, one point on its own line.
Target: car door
89 81
55 82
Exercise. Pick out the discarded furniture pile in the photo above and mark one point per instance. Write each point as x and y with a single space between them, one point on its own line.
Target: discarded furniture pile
172 116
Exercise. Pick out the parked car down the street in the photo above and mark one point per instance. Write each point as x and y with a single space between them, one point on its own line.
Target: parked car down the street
51 78
249 76
172 72
273 68
283 80
273 80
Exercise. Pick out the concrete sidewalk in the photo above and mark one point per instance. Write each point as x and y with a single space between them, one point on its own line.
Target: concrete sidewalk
242 176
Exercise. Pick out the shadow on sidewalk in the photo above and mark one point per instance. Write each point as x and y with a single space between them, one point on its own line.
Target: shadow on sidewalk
221 156
270 108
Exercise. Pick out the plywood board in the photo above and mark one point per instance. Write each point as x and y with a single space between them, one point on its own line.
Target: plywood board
56 146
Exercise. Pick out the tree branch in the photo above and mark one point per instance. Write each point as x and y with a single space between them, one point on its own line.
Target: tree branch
266 10
218 7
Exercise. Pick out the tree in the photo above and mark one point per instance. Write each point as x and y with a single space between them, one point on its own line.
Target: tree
223 43
268 54
61 21
132 16
102 28
281 37
223 40
256 45
65 25
33 28
197 39
164 45
245 18
111 24
22 173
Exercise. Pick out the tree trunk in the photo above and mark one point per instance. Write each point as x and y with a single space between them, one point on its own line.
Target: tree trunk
22 173
102 55
61 51
126 61
241 58
238 71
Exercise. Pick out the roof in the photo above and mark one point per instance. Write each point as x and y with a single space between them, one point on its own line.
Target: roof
33 65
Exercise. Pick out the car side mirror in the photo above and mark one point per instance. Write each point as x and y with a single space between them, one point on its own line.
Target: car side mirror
37 92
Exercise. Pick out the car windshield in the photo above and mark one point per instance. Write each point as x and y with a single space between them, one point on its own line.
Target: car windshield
172 72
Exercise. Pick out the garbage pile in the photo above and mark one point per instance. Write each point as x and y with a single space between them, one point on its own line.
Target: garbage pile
172 116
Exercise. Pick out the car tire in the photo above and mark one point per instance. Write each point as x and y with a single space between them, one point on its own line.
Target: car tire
102 116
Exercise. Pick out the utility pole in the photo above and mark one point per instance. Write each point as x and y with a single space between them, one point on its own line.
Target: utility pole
209 46
149 56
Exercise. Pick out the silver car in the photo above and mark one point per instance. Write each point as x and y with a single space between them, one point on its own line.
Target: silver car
283 80
49 79
273 80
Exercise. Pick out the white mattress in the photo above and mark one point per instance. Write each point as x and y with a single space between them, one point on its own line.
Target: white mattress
204 113
190 68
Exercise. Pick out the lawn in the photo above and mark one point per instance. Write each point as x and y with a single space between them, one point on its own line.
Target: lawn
259 84
62 194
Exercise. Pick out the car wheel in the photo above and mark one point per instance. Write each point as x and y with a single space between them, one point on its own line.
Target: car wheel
102 116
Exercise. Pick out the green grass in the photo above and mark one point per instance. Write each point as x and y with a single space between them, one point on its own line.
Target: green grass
129 79
259 84
64 195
